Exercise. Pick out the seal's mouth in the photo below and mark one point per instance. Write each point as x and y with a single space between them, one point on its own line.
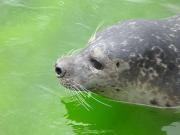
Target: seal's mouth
72 85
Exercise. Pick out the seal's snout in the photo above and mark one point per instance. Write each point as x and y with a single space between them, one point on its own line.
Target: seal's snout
60 71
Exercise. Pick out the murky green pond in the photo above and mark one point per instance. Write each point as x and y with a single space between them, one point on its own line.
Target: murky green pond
33 34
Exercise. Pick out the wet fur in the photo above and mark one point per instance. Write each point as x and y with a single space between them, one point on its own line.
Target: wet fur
141 62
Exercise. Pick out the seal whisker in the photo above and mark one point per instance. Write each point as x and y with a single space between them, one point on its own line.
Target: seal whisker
70 92
93 36
69 52
75 51
81 100
48 90
81 97
75 97
66 54
100 101
82 94
63 55
85 90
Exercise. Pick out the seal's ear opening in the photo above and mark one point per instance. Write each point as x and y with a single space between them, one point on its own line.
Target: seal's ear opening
117 64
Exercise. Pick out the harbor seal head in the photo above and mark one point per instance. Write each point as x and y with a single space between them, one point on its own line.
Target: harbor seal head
135 61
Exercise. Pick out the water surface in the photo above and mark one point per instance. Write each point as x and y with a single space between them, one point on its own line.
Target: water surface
33 34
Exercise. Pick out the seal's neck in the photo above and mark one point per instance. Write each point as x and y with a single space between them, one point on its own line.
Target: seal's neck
140 94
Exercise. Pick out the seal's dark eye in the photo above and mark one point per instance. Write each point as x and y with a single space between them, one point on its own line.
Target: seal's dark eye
96 64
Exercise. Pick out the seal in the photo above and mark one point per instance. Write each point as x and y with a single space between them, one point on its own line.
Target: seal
136 61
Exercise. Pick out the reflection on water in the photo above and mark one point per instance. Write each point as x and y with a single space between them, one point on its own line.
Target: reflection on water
120 118
172 129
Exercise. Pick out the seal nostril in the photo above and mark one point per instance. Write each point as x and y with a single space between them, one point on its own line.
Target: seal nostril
58 70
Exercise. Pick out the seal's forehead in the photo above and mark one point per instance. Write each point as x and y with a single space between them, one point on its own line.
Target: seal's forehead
98 42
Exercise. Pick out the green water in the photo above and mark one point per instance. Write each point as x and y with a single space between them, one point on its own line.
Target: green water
33 34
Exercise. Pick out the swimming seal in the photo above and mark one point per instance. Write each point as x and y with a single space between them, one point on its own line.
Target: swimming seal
136 61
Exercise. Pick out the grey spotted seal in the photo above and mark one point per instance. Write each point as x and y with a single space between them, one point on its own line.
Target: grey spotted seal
136 61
